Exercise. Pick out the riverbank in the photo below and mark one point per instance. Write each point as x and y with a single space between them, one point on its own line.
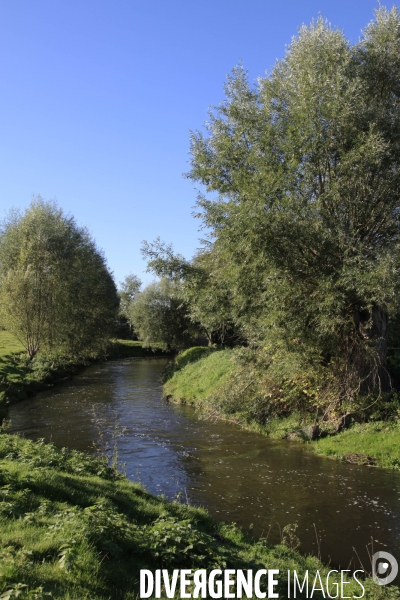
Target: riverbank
72 527
21 377
203 378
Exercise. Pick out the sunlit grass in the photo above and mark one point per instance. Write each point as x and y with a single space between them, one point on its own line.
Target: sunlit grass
200 373
197 380
380 440
9 344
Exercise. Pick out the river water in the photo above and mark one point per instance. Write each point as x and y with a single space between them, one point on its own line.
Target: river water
242 477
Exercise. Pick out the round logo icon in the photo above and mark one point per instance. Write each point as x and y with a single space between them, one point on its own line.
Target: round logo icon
384 568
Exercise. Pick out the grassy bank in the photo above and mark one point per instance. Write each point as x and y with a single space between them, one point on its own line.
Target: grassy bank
197 374
203 378
380 441
76 529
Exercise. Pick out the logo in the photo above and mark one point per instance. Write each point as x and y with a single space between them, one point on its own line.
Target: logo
384 568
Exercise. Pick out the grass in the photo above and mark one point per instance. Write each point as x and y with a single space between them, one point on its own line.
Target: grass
71 528
20 377
191 355
13 372
198 375
380 440
10 371
9 344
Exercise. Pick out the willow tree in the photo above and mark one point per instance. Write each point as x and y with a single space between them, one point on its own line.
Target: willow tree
160 316
306 167
56 292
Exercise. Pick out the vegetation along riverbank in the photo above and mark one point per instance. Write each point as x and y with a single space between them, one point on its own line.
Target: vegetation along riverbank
298 276
71 527
21 377
228 384
295 290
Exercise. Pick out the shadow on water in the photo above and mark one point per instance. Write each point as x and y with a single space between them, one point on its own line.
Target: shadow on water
243 477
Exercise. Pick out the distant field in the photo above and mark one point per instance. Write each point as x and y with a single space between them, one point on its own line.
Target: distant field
9 344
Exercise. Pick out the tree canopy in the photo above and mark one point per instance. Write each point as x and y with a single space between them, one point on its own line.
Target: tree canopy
306 167
56 292
127 292
160 317
301 200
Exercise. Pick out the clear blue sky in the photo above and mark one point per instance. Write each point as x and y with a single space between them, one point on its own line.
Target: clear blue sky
98 97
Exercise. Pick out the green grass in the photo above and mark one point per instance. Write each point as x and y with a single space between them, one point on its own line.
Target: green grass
9 344
13 372
20 377
380 440
74 528
191 355
200 375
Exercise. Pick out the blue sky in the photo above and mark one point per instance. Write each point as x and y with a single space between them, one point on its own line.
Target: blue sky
98 98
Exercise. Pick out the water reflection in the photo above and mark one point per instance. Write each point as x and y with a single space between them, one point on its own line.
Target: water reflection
239 476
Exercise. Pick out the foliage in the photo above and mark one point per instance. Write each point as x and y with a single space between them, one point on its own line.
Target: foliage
289 536
305 222
56 293
203 287
127 293
129 288
174 541
129 349
160 318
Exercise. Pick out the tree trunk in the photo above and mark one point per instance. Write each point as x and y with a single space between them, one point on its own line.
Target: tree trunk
372 328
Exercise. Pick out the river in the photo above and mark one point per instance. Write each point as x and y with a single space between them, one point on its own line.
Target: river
239 476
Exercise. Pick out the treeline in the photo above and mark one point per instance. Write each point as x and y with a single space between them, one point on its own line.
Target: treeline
301 205
56 292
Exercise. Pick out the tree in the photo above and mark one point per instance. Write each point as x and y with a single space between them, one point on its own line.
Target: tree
56 292
129 288
160 317
127 292
307 170
202 286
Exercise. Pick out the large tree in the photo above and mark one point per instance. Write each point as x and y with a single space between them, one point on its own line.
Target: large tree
56 292
306 167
